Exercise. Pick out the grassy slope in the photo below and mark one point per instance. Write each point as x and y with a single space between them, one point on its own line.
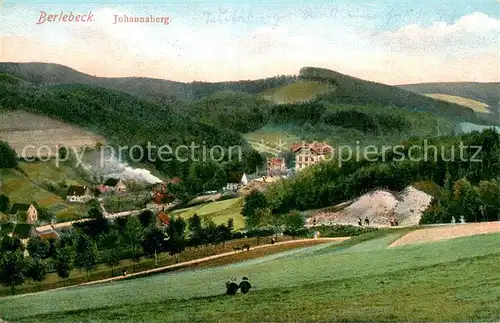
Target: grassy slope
22 188
219 212
488 93
473 104
450 280
300 91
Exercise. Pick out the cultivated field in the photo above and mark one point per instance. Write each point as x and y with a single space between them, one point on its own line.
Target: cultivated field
219 212
447 232
473 104
359 280
22 129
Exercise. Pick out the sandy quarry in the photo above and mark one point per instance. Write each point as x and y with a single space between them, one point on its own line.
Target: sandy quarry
447 232
379 207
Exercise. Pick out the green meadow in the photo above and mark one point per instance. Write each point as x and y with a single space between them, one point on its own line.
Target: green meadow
358 280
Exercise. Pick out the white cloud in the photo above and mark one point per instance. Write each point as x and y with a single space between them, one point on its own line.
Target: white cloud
472 32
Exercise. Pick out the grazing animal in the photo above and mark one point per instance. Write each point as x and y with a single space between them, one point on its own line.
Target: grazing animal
237 248
245 246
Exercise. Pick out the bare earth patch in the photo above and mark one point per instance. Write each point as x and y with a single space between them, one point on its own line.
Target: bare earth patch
379 207
447 232
23 129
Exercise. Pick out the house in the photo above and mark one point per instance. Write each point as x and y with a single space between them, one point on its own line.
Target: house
162 219
231 187
276 166
115 185
78 194
22 231
29 209
47 234
307 154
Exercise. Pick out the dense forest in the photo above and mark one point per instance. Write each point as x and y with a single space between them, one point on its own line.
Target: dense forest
125 120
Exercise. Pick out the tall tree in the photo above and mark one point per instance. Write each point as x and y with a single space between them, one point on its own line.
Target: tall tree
133 234
63 262
254 201
38 248
12 269
147 218
37 270
86 254
176 241
11 244
153 241
4 203
294 222
196 232
8 156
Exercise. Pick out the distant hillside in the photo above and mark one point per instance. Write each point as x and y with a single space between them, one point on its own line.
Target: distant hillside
357 91
473 104
488 93
148 88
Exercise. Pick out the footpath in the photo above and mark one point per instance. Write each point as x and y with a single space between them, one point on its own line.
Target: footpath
195 261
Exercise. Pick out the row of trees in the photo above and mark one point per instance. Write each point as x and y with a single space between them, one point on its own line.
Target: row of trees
98 241
474 202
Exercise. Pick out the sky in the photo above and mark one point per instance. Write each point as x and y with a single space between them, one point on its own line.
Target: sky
393 42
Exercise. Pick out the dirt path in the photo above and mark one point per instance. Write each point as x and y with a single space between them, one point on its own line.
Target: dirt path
446 232
197 261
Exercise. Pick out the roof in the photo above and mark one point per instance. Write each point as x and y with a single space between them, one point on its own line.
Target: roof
18 207
276 161
46 235
163 217
174 180
111 182
77 190
320 148
22 230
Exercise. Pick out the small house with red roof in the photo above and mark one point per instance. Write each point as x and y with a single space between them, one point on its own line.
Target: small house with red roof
276 166
162 219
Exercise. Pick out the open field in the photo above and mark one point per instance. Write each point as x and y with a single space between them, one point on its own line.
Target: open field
300 91
22 129
447 232
192 257
452 280
219 212
473 104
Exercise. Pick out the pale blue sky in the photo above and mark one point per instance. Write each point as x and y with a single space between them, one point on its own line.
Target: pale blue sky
390 41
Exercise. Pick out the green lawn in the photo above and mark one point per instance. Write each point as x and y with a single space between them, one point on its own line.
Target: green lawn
454 280
219 212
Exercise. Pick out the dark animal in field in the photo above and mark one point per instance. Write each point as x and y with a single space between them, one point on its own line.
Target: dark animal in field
245 246
237 248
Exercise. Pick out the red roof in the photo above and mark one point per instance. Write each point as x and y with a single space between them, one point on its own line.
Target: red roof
158 197
320 148
163 217
276 161
48 235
